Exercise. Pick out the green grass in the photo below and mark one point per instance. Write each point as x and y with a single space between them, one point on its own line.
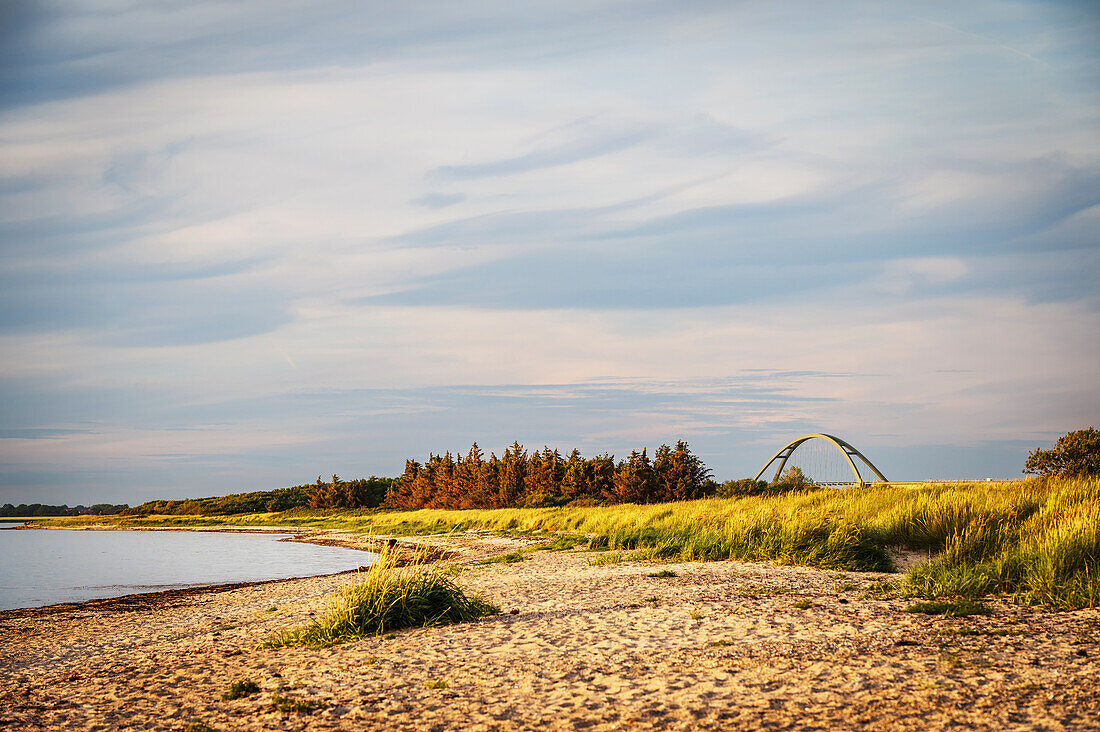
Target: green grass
389 597
440 684
950 609
563 542
290 704
241 688
610 558
1036 542
509 558
662 573
196 726
802 604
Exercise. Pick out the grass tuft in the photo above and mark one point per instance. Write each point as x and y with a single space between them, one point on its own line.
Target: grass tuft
241 688
662 573
389 597
439 684
509 558
301 706
950 609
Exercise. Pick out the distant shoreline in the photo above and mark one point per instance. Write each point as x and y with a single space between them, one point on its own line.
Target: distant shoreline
320 537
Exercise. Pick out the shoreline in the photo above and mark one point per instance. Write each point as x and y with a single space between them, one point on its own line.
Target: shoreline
320 537
296 534
611 645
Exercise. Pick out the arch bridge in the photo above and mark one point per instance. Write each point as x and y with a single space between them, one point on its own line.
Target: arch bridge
845 449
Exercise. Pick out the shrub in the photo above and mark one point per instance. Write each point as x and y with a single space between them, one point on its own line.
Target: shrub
742 487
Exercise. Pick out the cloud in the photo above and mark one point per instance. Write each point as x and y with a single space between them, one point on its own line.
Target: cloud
564 154
439 200
334 237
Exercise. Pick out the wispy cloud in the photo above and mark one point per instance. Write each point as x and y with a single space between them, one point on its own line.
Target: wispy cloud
351 233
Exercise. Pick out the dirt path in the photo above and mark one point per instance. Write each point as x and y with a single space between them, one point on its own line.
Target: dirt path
719 646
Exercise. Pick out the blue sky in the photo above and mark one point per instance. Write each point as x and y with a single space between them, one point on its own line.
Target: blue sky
245 244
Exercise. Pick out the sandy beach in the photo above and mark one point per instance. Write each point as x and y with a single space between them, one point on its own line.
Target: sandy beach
721 645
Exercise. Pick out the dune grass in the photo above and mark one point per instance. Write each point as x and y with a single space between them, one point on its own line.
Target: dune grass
1035 541
952 609
387 597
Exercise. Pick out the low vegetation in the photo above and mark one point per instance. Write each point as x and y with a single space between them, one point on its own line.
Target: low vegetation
955 609
662 573
241 688
359 493
1034 541
283 703
509 558
28 510
389 597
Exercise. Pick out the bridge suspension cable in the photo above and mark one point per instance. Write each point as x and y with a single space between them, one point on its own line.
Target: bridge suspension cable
826 460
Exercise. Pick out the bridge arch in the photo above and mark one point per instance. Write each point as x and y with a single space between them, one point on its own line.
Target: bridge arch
844 447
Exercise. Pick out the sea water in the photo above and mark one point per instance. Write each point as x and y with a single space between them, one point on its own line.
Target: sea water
44 567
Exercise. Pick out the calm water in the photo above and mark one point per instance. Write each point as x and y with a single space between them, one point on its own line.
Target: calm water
46 567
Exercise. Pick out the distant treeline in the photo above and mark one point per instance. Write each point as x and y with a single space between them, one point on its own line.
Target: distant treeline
546 478
516 478
42 509
360 493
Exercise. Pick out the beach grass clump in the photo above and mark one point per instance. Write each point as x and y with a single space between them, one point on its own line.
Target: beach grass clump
283 703
241 688
950 609
1042 549
663 573
509 558
389 596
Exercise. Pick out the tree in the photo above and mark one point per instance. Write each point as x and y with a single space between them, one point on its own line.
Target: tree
793 479
1075 455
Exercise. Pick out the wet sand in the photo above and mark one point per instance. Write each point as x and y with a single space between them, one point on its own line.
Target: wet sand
722 645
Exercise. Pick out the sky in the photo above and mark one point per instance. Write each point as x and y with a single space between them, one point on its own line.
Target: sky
246 244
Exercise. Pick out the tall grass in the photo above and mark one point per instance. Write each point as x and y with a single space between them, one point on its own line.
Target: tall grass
389 596
1035 541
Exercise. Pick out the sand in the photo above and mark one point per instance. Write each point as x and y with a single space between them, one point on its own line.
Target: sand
722 645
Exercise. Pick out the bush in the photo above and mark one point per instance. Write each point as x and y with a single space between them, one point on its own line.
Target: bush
1075 455
742 487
